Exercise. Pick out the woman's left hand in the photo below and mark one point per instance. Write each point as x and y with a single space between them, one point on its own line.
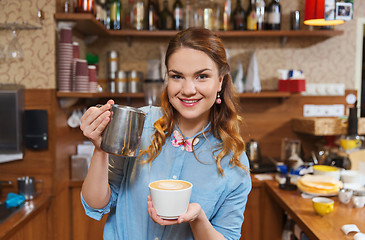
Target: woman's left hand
194 209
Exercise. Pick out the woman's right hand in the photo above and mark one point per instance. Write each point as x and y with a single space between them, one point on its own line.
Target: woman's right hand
94 121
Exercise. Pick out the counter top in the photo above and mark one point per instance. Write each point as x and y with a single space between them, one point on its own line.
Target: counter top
26 212
315 226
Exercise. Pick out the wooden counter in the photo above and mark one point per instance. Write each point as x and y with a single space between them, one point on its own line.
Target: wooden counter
29 222
315 226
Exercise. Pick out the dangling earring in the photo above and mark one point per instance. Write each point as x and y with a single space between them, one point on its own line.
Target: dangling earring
218 100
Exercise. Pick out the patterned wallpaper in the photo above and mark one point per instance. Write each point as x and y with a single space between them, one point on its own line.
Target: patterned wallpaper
37 70
328 61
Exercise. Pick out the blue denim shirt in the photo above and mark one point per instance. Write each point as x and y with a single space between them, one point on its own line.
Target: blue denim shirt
223 199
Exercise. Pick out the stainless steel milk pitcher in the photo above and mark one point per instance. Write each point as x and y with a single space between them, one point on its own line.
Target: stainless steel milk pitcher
123 133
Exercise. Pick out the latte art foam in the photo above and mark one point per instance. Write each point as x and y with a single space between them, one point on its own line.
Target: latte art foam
170 185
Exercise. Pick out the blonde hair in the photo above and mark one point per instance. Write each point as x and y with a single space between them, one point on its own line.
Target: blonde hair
224 118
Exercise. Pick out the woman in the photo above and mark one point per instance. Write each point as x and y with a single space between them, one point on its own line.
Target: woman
198 104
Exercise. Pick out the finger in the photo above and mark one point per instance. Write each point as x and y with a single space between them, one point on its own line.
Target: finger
92 113
95 117
110 101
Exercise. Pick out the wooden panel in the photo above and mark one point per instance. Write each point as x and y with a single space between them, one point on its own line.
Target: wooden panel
83 227
269 121
251 228
61 215
36 229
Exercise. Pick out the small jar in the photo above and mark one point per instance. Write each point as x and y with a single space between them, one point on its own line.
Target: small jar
121 82
111 80
134 82
113 61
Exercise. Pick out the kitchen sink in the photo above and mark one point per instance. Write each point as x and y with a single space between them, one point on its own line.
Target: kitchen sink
7 212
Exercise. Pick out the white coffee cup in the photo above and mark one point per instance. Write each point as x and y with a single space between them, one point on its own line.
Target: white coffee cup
345 195
358 199
170 198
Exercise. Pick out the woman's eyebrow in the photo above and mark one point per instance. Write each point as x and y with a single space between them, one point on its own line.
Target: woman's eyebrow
197 72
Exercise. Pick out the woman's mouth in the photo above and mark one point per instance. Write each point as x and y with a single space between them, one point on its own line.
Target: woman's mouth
189 102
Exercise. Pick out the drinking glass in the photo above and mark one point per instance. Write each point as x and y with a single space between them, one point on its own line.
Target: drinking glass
15 51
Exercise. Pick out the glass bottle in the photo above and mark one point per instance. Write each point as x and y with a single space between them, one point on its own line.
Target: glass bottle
151 16
115 10
198 14
188 14
178 14
238 17
128 15
226 22
208 14
138 18
274 15
107 12
165 17
251 16
260 14
351 141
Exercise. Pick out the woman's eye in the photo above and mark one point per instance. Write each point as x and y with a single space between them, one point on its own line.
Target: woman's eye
176 76
202 76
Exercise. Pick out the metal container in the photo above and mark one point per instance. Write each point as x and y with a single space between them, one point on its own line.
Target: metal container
134 82
122 135
112 62
122 82
27 187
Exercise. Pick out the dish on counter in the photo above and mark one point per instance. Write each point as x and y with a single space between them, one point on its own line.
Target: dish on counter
319 185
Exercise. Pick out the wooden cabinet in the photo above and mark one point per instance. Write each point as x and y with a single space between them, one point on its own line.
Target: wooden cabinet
35 229
263 217
84 227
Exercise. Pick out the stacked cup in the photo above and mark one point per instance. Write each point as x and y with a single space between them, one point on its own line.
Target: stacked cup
93 83
65 58
81 76
76 56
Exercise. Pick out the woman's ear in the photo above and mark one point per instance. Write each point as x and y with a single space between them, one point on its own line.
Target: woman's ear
220 83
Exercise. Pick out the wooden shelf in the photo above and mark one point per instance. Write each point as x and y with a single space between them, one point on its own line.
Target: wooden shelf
264 94
99 95
86 24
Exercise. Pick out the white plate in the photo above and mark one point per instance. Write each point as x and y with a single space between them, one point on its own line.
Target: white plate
354 186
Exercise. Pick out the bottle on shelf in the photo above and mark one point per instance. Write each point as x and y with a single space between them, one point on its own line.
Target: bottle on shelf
188 14
350 142
138 17
85 6
226 21
251 16
239 17
100 11
178 14
208 17
115 16
165 17
260 14
107 12
274 15
198 14
128 15
151 16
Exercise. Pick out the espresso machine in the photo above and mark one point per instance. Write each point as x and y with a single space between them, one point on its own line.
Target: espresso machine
258 164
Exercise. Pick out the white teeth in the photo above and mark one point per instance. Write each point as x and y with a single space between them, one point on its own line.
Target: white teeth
189 101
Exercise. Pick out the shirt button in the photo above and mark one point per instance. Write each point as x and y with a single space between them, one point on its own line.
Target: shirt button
174 177
182 148
156 238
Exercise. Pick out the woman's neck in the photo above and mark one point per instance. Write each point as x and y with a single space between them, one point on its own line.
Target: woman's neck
190 128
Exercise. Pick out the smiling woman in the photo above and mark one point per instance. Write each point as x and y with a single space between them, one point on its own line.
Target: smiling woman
194 136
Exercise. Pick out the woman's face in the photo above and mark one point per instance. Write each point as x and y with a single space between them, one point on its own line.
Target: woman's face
193 84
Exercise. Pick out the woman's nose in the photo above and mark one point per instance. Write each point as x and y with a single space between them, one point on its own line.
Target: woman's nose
188 88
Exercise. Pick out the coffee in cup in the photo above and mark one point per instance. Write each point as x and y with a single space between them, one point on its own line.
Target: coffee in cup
323 205
170 198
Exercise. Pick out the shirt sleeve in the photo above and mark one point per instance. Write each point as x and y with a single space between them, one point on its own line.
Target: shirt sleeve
229 218
96 213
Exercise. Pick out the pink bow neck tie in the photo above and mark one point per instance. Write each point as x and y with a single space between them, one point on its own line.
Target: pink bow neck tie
187 143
